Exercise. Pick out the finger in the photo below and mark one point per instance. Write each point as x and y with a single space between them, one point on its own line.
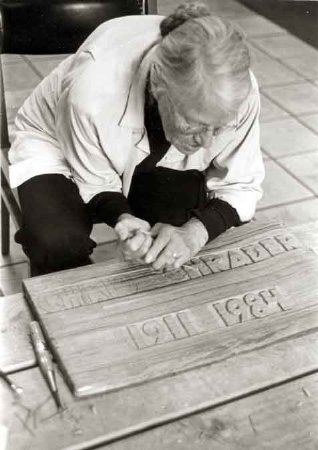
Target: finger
173 257
162 265
165 258
169 268
182 259
145 226
179 262
143 250
123 251
158 245
122 231
136 241
156 229
126 256
139 254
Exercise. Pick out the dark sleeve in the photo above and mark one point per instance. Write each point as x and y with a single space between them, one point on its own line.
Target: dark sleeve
107 207
217 216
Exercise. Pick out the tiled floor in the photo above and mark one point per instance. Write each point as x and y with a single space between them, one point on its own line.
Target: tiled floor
287 71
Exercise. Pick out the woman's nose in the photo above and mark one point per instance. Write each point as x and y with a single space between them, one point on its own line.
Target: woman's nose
204 139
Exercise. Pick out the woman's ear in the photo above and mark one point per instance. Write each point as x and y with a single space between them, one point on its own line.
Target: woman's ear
154 74
154 79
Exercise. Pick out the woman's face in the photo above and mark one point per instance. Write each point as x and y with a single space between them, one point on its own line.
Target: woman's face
187 132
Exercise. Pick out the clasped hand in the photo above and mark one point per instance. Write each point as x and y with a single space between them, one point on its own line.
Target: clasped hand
163 246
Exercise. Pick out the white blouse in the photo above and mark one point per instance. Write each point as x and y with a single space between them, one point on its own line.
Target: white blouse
85 120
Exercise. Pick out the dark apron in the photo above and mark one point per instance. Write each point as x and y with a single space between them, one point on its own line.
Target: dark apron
167 195
160 194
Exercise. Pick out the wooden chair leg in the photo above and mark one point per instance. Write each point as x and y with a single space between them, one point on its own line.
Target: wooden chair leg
5 229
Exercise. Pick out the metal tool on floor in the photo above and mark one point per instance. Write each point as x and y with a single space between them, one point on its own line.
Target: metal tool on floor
45 361
16 389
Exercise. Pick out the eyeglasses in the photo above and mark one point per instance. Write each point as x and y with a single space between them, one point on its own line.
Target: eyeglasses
188 129
194 130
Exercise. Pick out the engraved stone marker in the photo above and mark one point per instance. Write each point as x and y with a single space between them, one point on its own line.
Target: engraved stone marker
130 324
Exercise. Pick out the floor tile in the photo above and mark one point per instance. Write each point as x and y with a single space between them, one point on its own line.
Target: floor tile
16 254
306 65
103 233
300 98
264 155
11 131
15 99
11 278
311 121
222 8
295 213
19 76
284 46
304 167
11 59
45 66
165 7
257 55
258 26
55 57
105 252
286 137
280 187
270 72
270 111
228 8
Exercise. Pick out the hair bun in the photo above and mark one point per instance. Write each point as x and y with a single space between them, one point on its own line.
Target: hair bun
181 14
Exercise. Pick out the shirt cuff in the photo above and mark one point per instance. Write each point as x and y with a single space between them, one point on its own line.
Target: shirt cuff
107 207
217 216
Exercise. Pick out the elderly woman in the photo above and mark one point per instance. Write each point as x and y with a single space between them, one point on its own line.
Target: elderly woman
152 128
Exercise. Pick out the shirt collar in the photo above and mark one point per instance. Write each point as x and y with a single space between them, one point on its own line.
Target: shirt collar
133 114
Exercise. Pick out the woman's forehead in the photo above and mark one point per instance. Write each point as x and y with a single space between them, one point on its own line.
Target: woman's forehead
200 113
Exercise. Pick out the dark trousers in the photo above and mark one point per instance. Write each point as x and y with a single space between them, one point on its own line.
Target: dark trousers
56 225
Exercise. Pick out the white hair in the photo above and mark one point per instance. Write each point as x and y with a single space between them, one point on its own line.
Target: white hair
202 58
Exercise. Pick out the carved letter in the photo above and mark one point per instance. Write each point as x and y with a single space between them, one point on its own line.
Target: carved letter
192 271
273 298
196 268
272 246
289 242
149 333
256 252
217 262
258 307
189 322
50 303
232 311
175 326
72 297
95 294
200 264
238 259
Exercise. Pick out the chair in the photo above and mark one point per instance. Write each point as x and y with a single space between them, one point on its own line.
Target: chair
42 27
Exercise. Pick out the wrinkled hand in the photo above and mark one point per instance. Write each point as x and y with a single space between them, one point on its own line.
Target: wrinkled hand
134 237
174 246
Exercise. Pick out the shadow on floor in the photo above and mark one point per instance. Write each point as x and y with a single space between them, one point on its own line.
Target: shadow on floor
298 17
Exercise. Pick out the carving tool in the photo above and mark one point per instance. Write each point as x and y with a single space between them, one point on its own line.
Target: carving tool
44 359
16 389
144 232
147 233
